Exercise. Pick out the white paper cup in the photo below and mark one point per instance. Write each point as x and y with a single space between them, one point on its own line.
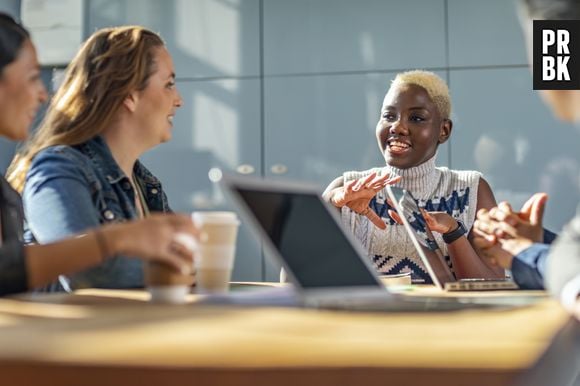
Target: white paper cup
214 259
173 294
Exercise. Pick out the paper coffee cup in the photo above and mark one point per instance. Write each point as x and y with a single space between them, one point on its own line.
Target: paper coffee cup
165 284
214 259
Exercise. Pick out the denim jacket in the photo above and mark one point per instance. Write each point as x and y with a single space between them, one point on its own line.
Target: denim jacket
70 189
13 277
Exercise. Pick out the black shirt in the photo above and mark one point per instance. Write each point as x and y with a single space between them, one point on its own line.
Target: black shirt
13 277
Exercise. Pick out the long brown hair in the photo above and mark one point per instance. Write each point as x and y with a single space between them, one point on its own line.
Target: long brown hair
110 65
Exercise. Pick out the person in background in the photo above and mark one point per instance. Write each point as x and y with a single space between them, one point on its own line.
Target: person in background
24 267
414 121
516 240
80 169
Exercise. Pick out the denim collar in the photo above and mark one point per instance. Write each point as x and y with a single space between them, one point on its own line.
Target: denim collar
100 154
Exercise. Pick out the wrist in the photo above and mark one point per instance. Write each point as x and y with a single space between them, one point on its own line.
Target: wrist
455 233
112 242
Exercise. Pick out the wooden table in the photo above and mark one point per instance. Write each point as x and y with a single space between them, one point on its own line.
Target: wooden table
100 337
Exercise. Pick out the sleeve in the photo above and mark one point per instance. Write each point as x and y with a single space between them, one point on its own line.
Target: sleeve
13 276
57 198
549 236
528 267
564 260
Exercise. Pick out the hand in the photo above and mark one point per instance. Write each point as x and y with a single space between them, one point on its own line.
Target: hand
499 253
528 221
165 238
357 195
440 222
498 241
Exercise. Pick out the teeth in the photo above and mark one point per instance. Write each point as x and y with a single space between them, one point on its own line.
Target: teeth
399 144
170 119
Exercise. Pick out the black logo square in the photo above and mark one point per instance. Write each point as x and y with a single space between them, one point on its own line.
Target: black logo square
556 55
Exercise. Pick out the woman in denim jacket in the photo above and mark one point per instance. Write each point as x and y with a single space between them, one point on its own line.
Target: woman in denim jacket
23 267
81 169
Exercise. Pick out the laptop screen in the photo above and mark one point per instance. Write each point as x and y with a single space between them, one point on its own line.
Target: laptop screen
308 238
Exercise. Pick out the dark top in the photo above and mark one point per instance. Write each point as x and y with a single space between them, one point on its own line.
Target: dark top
13 277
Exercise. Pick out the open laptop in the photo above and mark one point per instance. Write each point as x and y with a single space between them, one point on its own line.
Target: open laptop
326 265
430 253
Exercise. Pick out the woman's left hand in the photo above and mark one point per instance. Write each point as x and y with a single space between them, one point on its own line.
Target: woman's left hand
440 222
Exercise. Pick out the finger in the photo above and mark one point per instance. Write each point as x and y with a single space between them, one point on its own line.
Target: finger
181 222
393 180
349 186
510 218
484 229
428 217
395 216
482 243
538 207
380 179
179 258
375 219
364 181
503 230
483 214
505 206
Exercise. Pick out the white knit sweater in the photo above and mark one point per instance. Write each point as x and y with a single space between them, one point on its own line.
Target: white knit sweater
436 189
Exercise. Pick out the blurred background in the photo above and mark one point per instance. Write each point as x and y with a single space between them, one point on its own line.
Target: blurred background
293 89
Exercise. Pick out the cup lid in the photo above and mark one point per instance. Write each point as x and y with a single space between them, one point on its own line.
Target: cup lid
215 217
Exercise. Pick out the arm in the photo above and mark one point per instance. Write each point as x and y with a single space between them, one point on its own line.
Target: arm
466 261
357 194
563 263
153 238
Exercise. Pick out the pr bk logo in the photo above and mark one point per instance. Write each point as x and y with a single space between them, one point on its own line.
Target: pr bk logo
556 54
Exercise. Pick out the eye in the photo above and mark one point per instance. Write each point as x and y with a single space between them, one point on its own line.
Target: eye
416 118
170 84
388 116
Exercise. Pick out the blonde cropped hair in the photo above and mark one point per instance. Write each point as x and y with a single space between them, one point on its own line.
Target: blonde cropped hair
435 86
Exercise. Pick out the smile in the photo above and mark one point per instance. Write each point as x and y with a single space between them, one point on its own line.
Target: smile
398 146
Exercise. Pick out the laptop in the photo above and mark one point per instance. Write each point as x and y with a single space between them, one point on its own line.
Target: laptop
430 253
325 264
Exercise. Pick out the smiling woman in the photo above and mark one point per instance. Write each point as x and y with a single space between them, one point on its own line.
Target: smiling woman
81 167
25 267
414 121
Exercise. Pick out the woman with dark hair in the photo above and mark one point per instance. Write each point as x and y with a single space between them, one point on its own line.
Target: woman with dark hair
27 267
515 240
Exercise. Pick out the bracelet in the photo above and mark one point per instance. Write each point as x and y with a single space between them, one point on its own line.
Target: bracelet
102 243
450 237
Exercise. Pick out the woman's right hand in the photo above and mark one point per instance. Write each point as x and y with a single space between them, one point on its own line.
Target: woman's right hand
166 238
357 195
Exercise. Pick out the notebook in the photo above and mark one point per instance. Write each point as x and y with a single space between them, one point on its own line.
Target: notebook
429 251
325 264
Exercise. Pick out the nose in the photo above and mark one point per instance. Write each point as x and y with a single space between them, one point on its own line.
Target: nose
178 100
398 128
42 93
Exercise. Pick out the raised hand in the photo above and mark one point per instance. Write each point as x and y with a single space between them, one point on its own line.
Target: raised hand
357 195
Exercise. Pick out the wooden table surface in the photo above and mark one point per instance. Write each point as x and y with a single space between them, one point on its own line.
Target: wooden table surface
100 337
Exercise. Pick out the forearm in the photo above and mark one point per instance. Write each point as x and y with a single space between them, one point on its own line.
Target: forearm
467 263
47 261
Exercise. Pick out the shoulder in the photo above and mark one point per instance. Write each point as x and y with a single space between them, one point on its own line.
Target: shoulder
468 177
57 161
58 154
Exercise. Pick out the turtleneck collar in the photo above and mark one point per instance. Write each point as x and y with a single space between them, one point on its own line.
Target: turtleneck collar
420 180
